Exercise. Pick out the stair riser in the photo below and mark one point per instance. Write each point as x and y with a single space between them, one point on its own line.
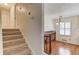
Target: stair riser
7 30
11 33
5 38
13 43
24 52
16 50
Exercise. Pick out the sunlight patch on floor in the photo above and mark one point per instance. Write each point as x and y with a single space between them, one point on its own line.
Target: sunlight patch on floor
64 51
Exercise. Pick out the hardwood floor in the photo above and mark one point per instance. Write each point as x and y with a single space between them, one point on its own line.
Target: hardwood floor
60 48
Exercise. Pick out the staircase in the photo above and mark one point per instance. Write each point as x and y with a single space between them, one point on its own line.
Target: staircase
14 43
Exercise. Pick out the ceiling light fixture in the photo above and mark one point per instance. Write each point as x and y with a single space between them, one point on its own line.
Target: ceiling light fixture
59 20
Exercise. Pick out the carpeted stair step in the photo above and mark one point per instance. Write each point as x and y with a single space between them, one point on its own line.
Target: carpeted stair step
14 43
11 37
11 33
13 50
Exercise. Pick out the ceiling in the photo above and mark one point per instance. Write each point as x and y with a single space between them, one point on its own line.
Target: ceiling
51 8
8 6
55 8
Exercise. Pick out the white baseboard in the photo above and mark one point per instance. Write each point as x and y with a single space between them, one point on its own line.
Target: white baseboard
1 44
44 53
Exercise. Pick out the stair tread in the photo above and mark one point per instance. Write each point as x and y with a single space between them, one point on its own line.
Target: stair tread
4 40
24 52
11 37
19 51
17 42
11 33
15 46
12 40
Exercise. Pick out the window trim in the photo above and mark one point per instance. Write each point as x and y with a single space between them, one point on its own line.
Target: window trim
65 29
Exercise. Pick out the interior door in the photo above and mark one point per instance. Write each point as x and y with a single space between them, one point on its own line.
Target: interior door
7 17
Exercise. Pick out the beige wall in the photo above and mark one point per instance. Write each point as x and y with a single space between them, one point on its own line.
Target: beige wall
31 28
1 43
48 24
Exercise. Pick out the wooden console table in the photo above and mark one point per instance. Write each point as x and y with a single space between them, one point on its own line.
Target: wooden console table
48 37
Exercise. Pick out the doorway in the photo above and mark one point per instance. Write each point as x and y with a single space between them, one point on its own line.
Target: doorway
8 16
